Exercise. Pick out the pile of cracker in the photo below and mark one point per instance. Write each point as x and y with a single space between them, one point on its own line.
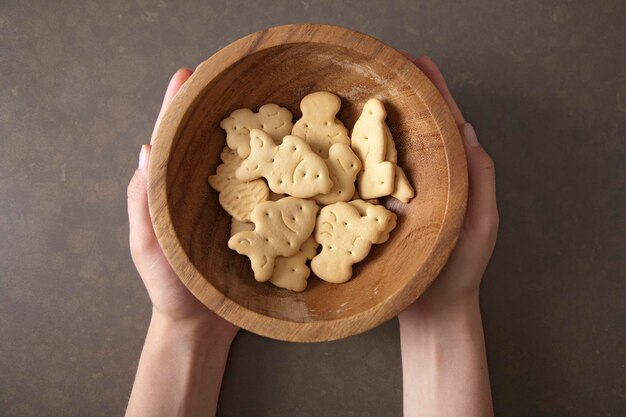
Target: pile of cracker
291 187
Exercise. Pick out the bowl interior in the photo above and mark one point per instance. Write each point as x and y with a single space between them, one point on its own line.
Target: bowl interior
283 75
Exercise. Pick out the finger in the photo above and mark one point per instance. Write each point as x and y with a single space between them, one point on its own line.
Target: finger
177 81
143 241
482 208
429 68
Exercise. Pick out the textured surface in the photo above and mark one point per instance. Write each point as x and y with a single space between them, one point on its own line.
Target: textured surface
544 85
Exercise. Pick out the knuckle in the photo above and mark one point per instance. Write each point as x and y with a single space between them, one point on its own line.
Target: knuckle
489 228
486 162
496 220
140 247
486 227
135 187
136 247
135 252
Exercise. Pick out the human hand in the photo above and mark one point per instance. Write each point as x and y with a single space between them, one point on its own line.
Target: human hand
171 300
460 278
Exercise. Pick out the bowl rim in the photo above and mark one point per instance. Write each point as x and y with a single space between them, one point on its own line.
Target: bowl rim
276 328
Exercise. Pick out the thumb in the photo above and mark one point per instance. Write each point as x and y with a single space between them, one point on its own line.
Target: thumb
482 209
142 239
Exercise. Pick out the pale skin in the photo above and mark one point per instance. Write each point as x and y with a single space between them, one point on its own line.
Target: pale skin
443 352
444 361
183 359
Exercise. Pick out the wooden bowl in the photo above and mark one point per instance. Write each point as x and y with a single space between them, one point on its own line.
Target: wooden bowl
281 65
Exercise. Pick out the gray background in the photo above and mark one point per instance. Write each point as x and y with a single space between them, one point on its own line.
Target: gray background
543 82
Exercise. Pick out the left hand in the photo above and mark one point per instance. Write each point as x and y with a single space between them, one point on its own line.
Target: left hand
460 278
171 300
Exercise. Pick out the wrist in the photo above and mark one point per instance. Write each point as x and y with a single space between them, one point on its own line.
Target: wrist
181 367
429 307
440 327
193 332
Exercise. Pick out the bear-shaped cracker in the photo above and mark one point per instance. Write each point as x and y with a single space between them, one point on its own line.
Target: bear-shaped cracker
319 125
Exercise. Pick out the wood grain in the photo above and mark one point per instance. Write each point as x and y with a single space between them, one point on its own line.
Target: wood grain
281 65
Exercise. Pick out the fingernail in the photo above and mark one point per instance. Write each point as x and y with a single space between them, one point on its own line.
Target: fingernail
470 135
426 58
142 156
